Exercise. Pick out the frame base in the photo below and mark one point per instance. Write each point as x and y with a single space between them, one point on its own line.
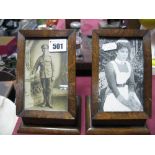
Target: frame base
25 129
105 130
54 130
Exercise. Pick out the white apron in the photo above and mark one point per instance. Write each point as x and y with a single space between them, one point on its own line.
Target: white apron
111 103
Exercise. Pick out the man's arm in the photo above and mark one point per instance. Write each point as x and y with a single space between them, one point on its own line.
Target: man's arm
52 67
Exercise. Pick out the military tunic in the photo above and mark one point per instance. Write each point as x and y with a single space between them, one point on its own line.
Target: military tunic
46 66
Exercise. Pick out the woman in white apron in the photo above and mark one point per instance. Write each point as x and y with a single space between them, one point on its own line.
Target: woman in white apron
120 93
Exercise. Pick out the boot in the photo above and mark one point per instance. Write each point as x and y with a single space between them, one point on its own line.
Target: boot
50 106
44 104
49 100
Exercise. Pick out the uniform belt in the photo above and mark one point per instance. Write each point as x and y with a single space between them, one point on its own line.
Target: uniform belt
120 85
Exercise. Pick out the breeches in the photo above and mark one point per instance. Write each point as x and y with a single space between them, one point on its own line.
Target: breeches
47 88
46 84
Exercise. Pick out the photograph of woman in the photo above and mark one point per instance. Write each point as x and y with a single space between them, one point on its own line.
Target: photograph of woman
119 94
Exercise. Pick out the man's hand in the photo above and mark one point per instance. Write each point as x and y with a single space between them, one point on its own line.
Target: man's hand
52 78
32 75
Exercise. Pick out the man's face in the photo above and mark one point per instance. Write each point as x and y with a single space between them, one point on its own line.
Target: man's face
45 50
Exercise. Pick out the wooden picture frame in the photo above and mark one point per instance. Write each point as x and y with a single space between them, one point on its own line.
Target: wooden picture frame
98 118
47 117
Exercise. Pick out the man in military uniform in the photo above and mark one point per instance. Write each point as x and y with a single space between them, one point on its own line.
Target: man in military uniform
46 74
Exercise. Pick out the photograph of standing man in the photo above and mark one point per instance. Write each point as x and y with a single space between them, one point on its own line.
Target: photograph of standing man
45 66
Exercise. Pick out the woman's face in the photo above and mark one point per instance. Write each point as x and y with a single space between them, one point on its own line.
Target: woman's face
122 54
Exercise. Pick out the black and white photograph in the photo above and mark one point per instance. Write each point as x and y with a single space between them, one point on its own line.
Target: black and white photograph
121 70
46 77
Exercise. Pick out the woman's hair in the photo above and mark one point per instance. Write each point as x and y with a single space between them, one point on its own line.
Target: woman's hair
124 43
121 43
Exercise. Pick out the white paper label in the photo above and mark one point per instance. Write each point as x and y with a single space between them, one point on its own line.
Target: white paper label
109 46
58 45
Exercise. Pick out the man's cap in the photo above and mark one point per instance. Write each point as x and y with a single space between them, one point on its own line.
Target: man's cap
44 46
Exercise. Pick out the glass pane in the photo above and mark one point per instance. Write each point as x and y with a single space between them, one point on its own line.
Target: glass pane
121 75
46 77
